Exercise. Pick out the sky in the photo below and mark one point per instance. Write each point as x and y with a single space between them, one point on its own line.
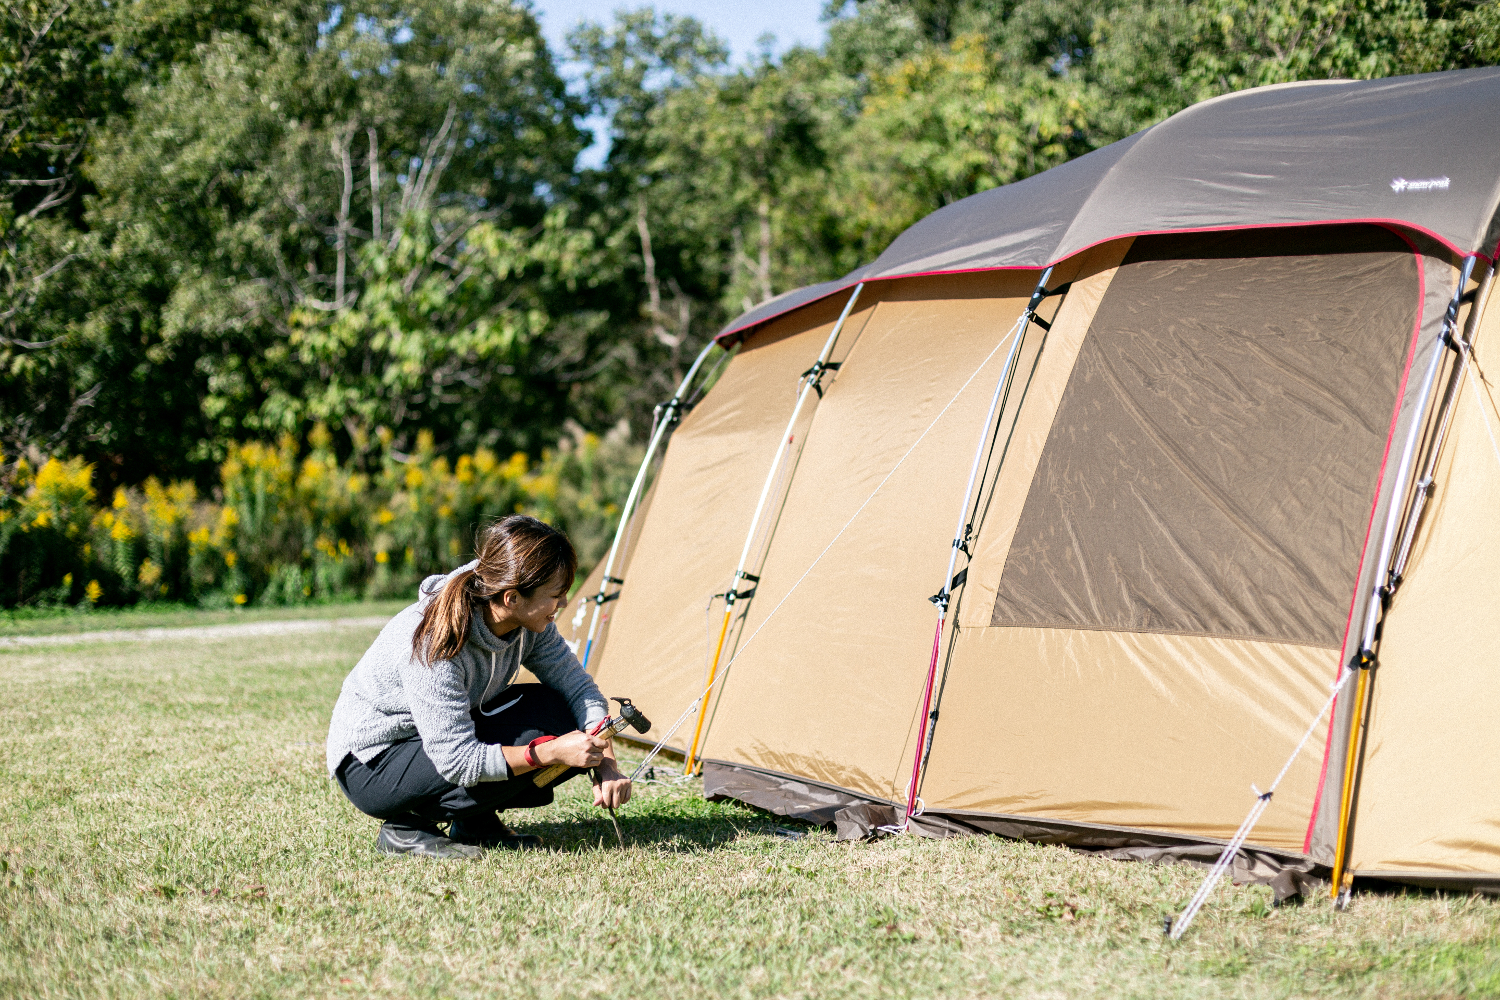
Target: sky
740 23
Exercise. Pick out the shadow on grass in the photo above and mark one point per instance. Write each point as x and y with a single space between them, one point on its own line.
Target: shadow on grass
676 824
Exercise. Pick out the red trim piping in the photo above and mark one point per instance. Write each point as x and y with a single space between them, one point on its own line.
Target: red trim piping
1395 225
1411 357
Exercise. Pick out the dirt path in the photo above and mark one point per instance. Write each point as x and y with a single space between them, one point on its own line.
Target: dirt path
232 631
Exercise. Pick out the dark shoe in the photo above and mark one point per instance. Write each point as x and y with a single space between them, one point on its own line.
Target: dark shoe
488 831
422 843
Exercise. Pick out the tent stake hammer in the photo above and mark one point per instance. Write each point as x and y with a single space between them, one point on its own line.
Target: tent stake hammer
630 718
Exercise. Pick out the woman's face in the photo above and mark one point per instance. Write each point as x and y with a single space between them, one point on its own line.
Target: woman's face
536 612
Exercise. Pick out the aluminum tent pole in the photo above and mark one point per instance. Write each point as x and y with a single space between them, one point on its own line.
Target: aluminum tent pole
941 598
811 381
670 414
1445 418
1364 659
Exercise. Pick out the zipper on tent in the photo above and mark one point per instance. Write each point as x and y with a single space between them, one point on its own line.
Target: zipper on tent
1387 574
961 535
667 416
812 379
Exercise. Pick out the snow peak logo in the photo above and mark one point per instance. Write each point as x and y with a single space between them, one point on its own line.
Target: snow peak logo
1400 184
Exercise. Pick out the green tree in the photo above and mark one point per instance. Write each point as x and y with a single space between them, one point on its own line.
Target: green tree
346 219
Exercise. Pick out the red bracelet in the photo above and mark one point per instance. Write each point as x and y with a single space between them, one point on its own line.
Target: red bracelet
531 749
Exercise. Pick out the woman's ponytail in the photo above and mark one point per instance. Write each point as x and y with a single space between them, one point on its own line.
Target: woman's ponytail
515 553
445 623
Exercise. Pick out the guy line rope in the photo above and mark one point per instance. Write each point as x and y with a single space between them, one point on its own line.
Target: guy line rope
702 699
1484 414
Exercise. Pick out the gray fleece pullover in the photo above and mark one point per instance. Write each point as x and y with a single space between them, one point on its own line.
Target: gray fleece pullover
390 695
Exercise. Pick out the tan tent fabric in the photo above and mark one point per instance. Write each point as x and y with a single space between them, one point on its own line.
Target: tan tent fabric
1429 794
1157 732
826 690
705 495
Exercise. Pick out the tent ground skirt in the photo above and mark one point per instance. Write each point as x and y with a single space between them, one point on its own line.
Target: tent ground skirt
858 817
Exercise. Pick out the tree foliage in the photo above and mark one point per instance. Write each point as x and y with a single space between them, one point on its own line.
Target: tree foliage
238 219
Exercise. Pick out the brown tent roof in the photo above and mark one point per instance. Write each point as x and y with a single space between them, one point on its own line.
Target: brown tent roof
1410 152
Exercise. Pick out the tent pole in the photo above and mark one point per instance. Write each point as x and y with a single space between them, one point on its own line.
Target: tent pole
1449 404
811 381
670 414
1365 659
941 598
1403 470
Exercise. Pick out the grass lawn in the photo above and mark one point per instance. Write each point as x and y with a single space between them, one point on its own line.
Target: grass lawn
168 831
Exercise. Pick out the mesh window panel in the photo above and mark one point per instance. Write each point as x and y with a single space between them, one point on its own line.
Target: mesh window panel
1213 461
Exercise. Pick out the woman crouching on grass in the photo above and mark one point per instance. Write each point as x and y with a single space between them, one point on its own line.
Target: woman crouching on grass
429 729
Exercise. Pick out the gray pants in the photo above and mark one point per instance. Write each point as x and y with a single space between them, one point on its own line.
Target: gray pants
402 787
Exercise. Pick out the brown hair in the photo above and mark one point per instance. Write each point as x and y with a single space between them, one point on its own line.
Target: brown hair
515 553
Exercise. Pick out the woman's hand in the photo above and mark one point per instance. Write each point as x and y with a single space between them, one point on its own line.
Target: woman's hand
577 749
613 789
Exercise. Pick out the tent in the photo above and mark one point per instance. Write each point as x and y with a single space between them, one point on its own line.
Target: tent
1236 490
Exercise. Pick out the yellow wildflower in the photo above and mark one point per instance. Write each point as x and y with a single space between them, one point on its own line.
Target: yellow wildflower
121 501
240 598
230 558
382 557
149 574
414 477
93 592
